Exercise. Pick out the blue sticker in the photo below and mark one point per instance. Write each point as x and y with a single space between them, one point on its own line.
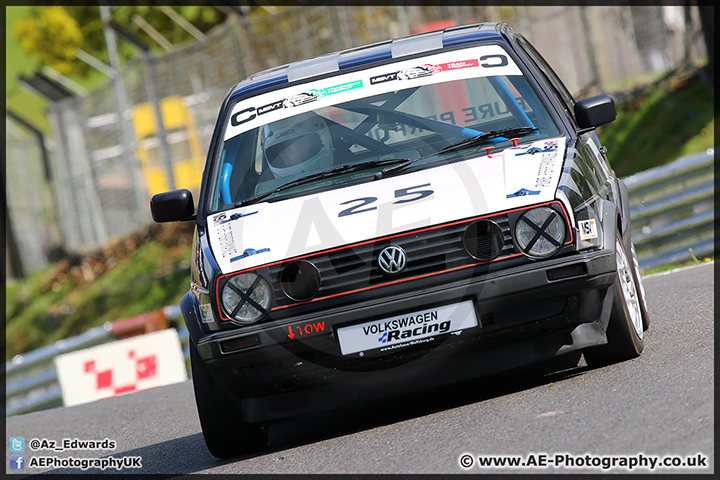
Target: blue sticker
248 252
534 150
529 151
220 219
524 192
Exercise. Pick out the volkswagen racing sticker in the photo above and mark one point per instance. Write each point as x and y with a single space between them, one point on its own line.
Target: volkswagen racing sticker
405 330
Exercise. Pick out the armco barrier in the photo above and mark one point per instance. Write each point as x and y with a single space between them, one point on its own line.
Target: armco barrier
31 379
672 209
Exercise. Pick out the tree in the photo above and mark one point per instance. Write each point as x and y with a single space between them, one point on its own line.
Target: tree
203 18
54 33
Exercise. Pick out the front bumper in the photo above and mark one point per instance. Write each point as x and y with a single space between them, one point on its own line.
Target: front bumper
526 314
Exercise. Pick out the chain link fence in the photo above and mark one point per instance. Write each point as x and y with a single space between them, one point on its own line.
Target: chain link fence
109 154
32 237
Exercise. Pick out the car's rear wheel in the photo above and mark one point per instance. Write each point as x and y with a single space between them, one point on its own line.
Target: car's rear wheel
226 433
625 330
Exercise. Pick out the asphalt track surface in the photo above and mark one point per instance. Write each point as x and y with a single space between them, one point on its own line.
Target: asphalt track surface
658 406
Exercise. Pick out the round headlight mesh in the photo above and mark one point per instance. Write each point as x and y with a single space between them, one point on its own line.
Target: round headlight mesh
540 232
300 280
483 240
246 297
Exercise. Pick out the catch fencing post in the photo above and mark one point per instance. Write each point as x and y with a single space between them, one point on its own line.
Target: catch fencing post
165 154
133 164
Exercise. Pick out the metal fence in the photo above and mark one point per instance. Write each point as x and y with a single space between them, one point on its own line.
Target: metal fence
108 155
30 205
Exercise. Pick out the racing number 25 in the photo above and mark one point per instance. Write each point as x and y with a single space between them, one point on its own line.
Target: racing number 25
412 194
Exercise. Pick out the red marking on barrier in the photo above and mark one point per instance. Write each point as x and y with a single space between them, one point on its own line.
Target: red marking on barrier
146 367
125 389
103 379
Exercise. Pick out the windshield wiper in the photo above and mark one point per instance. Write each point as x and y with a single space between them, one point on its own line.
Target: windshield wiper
468 142
339 170
483 137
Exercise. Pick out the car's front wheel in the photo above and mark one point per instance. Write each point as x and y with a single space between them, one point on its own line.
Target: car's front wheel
226 433
625 330
641 290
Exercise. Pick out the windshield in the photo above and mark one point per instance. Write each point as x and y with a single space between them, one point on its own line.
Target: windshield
394 112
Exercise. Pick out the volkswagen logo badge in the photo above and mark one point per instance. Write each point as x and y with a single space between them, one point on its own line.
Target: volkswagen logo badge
392 260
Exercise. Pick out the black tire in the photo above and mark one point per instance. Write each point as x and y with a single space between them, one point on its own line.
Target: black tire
626 326
226 433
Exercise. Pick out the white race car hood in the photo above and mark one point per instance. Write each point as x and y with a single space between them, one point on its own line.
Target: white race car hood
264 233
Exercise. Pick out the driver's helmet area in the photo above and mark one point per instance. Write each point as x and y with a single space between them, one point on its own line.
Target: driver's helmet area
297 144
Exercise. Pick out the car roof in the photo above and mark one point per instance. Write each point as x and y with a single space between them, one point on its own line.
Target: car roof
368 54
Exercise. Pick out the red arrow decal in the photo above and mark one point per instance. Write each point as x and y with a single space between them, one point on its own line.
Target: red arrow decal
290 333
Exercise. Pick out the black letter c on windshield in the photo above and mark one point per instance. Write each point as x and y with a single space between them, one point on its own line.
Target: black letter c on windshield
503 61
234 119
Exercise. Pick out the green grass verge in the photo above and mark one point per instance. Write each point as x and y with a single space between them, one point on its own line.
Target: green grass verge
673 266
58 302
668 120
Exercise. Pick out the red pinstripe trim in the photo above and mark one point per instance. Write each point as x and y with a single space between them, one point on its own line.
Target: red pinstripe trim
395 282
390 237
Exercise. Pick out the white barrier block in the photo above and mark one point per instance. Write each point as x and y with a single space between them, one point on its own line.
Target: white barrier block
136 363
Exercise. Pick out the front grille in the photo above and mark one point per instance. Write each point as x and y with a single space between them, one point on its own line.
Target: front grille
429 251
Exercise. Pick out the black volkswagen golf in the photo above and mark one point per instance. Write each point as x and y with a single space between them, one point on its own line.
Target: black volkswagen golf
394 232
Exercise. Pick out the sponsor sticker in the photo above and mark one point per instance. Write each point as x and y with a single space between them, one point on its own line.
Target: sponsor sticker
402 330
223 217
588 229
309 96
344 87
461 64
423 71
481 61
206 313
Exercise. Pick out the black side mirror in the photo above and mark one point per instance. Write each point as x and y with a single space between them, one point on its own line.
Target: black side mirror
175 206
595 111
